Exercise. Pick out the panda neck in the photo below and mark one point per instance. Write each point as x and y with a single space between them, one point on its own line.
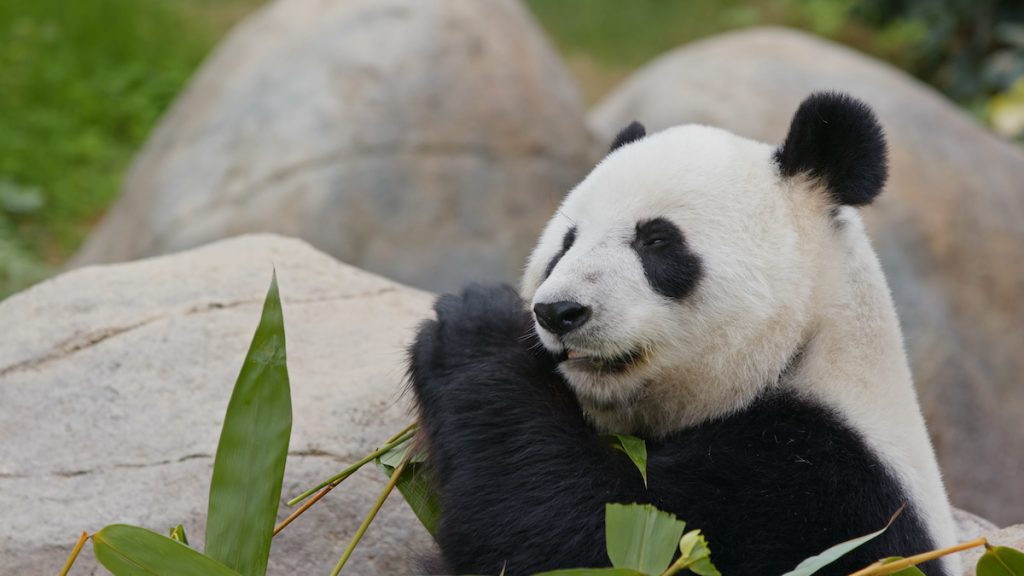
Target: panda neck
854 363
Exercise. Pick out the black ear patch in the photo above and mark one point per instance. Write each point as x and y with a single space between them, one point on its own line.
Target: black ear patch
629 134
837 139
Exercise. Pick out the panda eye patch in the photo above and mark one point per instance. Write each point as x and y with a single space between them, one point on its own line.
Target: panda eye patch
567 241
657 232
671 268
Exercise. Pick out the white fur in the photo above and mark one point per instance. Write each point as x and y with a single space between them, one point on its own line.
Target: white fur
779 274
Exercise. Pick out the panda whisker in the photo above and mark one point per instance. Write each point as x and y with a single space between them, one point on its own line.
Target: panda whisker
566 216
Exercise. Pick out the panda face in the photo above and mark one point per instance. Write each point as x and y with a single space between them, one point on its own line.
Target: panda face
691 267
678 256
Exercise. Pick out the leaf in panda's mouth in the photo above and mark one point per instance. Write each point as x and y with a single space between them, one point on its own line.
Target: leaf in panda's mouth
583 361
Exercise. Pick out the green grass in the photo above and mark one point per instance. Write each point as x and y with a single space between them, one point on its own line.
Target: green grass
83 83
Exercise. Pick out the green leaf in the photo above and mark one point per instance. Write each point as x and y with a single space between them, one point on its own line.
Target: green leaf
1001 561
908 571
695 554
178 534
815 563
132 551
592 572
635 448
249 467
641 537
394 456
415 485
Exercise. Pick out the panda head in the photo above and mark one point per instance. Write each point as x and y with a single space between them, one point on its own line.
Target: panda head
688 268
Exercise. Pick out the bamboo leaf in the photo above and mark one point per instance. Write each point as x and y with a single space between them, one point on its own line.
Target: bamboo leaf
178 534
1001 561
695 554
641 537
416 487
249 467
394 455
132 551
635 448
815 563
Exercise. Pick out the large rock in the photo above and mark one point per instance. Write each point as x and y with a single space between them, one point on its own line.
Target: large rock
426 141
114 381
949 230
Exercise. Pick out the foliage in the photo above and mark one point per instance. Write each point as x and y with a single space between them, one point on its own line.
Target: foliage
1001 561
414 483
249 466
247 474
635 448
83 83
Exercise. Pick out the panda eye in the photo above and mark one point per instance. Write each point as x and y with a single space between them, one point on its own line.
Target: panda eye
655 241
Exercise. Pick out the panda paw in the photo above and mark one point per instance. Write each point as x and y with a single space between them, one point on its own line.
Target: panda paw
482 324
482 317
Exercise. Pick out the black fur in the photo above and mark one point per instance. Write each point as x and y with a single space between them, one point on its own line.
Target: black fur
837 139
671 268
567 242
629 134
524 479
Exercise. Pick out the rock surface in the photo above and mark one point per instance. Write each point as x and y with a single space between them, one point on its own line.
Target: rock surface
113 392
948 230
426 141
1012 536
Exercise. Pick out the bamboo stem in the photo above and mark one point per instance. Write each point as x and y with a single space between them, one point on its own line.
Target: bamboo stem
879 569
404 435
373 513
677 566
74 554
404 431
303 508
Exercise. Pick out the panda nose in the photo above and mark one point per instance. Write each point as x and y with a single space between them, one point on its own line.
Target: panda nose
561 317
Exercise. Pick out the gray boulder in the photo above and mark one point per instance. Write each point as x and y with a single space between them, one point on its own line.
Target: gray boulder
426 141
113 386
948 230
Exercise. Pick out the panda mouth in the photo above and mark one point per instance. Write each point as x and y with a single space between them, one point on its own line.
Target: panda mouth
594 363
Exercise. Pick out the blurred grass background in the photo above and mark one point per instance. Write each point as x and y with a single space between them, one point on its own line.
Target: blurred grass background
83 82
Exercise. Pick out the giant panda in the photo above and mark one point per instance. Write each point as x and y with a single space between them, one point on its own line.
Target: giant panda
719 298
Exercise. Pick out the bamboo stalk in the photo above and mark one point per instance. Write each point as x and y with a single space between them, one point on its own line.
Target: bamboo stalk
880 569
303 508
338 478
373 513
74 554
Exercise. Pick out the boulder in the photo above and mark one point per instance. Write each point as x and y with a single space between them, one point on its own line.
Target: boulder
113 392
948 231
426 141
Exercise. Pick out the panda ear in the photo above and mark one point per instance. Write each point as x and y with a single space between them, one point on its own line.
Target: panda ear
631 133
837 140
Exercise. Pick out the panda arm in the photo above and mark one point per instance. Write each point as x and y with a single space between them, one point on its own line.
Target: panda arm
523 478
